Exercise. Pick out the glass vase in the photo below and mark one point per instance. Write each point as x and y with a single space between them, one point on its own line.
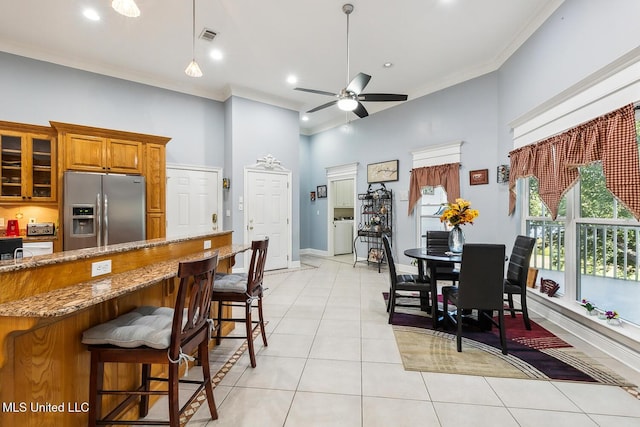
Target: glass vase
456 240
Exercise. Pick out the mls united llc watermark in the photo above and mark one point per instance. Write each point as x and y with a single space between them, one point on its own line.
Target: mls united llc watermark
33 407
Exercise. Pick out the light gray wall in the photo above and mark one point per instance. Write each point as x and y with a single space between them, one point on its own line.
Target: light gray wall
466 112
256 130
306 186
581 37
36 92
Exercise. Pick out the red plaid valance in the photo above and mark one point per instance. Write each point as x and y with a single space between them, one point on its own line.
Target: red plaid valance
447 176
554 161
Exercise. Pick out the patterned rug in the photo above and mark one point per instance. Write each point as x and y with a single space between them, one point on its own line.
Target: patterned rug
535 354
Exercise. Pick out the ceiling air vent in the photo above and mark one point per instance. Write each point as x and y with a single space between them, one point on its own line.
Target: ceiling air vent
208 35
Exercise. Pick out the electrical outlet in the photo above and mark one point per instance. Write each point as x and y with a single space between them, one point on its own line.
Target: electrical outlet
101 267
207 244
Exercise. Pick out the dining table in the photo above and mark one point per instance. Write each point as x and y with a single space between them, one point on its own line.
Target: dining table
428 261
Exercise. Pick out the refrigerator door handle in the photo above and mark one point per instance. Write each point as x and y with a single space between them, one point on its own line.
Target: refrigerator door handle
106 220
98 220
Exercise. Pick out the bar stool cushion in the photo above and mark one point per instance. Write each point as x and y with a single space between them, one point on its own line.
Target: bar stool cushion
144 326
230 283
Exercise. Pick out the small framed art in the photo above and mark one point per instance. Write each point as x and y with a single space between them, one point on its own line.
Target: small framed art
322 191
382 172
479 177
312 196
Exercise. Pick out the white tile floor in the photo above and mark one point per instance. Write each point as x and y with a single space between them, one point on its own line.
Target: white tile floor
332 360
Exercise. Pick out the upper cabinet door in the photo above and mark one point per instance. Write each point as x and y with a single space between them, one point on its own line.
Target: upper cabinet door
98 154
11 150
124 156
42 176
27 167
85 153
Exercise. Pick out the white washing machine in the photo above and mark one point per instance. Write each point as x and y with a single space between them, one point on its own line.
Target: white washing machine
343 236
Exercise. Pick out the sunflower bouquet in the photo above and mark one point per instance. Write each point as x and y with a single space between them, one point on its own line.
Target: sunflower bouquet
459 213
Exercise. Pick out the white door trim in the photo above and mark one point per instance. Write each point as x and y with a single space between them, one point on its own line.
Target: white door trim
269 165
338 173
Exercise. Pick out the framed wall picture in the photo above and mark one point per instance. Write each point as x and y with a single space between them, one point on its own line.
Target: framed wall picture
322 191
312 196
382 172
478 177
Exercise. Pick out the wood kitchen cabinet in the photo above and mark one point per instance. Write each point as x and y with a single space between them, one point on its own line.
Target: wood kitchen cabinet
98 154
27 163
155 175
344 193
91 149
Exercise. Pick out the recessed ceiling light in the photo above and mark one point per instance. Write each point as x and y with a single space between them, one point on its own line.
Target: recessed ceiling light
91 14
387 64
216 54
291 79
305 118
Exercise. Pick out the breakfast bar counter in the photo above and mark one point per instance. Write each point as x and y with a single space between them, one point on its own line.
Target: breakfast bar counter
46 302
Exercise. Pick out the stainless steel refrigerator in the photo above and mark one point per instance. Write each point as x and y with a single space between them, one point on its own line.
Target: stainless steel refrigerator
102 209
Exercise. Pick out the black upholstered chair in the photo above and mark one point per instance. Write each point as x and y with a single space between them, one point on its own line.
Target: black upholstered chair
517 272
480 287
438 242
400 283
155 335
242 290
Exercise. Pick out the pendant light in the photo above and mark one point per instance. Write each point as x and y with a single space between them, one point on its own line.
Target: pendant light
128 8
193 70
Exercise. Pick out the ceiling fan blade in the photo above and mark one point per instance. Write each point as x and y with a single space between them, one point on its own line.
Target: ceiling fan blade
360 111
382 97
328 104
358 83
319 92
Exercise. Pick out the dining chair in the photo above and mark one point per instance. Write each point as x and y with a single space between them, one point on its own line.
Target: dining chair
438 242
480 287
516 281
403 283
242 290
155 335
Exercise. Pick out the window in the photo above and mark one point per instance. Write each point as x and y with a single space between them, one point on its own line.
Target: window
594 239
549 252
430 208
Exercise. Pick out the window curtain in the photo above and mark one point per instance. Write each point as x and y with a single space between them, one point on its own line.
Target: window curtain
447 176
554 161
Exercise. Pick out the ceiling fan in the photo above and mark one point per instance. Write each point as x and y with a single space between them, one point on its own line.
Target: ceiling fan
350 98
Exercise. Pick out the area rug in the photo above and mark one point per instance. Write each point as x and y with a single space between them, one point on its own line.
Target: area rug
535 354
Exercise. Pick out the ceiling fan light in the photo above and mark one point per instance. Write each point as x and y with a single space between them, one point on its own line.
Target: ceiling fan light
128 8
193 69
347 104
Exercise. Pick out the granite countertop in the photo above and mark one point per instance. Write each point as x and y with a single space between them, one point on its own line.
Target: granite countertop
66 256
65 301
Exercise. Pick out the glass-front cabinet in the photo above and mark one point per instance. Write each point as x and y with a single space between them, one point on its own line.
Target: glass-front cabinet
27 166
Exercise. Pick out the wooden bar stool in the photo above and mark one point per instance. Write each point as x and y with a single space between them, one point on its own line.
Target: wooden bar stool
241 290
156 335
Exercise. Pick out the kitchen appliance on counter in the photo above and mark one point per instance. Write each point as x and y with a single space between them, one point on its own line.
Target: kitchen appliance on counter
8 248
103 209
41 229
13 228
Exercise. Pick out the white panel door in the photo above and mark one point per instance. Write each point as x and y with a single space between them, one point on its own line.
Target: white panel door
192 201
267 204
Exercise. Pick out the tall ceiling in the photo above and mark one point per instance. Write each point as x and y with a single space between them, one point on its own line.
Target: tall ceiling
432 44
